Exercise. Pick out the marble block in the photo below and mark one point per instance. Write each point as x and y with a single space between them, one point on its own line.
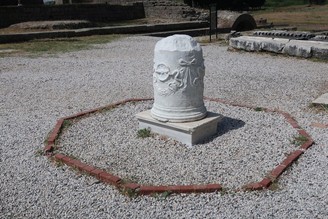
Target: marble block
189 133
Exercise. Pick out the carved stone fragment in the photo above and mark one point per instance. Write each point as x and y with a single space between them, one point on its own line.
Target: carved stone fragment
178 80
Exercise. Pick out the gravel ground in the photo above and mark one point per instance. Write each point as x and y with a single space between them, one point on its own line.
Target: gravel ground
248 145
35 92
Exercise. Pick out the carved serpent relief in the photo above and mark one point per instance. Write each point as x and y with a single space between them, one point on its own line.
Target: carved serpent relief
178 79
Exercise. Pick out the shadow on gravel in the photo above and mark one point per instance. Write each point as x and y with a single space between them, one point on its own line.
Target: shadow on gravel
227 124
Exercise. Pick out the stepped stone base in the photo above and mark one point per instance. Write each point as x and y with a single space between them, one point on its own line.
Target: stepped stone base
189 133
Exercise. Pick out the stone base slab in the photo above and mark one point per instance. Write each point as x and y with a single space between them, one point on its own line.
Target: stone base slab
189 133
322 100
299 48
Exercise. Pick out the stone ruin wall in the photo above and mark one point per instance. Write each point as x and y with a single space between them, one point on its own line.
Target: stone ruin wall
171 10
157 9
93 12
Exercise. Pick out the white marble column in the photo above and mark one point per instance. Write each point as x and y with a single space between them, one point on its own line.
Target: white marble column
178 80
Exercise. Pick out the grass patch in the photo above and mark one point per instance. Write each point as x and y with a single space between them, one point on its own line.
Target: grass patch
39 153
66 124
144 133
259 109
162 196
274 186
319 107
166 194
131 193
299 140
58 163
303 17
54 46
324 107
106 109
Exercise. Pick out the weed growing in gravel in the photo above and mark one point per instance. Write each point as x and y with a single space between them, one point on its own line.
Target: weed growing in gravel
166 194
299 140
259 109
144 133
319 107
131 193
323 107
66 124
58 163
39 152
162 195
45 142
106 109
225 191
274 186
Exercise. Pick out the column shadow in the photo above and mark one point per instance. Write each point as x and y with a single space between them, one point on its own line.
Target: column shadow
226 125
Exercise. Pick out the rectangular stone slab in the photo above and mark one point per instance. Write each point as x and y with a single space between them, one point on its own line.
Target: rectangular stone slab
189 133
323 99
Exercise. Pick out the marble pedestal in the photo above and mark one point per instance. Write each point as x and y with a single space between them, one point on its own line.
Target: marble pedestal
189 133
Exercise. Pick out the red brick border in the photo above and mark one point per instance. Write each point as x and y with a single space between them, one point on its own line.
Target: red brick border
147 190
319 125
289 160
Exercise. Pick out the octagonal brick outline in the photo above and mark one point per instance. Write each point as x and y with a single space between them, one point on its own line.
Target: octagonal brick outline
136 188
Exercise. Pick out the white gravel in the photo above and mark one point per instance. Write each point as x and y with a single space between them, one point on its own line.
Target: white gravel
248 145
35 92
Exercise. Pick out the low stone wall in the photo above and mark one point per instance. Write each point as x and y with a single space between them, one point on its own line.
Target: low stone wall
92 12
160 30
299 48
